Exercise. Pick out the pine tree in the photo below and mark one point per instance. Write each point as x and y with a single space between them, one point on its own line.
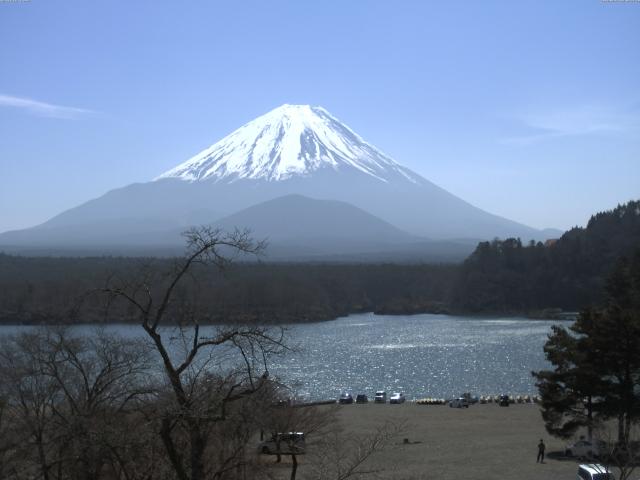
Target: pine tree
613 340
569 391
596 374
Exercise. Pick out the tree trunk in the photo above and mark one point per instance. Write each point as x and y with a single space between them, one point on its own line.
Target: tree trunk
294 466
590 418
627 429
198 444
174 457
621 429
42 456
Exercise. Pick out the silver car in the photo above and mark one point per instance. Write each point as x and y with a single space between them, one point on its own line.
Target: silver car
585 449
381 397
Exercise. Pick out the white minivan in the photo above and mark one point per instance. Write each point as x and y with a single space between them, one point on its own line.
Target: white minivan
594 471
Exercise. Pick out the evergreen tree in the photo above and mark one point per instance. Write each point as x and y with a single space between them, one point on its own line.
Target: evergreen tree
569 391
596 373
614 345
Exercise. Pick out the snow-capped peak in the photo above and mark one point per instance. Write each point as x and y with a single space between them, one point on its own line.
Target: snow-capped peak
291 140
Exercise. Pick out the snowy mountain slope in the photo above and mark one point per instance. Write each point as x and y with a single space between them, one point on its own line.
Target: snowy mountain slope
291 140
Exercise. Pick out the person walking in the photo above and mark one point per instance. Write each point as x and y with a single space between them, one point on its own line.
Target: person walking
540 452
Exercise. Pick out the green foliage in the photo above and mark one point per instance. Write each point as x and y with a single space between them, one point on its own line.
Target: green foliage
568 391
597 361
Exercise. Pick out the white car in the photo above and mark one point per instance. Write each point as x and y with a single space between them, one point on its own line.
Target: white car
397 398
594 471
585 449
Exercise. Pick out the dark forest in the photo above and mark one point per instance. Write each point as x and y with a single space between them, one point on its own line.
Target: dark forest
500 277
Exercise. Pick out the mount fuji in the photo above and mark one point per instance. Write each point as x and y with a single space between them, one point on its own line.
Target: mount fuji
290 141
297 152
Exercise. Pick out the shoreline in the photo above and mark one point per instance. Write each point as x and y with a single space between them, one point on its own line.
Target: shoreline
561 316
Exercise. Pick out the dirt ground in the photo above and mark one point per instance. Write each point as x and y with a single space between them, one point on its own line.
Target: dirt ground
482 442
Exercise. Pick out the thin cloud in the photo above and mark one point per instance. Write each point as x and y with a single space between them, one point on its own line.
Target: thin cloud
574 122
43 109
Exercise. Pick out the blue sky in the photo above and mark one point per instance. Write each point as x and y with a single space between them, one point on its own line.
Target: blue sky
527 109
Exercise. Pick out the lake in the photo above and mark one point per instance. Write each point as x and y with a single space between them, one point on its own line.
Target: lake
421 355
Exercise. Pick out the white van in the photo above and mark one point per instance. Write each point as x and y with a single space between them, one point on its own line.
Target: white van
289 443
594 471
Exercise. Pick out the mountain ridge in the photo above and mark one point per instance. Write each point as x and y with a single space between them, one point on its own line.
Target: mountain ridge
292 149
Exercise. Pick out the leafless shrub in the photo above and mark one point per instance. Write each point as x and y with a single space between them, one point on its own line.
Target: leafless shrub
340 456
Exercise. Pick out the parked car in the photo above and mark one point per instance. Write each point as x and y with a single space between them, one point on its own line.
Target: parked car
594 471
503 400
362 398
470 398
585 449
345 398
283 443
381 397
397 398
459 402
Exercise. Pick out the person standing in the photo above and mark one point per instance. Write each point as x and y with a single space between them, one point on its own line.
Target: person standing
540 452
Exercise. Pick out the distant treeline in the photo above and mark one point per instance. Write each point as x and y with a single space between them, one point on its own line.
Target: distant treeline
499 277
43 290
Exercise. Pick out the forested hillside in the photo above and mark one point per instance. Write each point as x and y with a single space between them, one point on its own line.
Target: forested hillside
506 276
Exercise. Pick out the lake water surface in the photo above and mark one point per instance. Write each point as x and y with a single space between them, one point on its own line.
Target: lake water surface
421 355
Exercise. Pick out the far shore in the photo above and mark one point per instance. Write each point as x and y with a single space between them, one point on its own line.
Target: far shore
544 315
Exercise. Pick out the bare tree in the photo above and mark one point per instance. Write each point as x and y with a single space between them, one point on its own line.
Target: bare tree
66 396
203 384
624 456
286 417
28 398
340 457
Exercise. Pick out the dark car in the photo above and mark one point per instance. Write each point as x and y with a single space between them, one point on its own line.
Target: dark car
362 398
345 398
503 401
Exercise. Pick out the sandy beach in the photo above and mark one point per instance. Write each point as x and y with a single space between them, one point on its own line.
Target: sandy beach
481 442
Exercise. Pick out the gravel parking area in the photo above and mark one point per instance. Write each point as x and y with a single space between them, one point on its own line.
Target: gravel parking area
482 442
